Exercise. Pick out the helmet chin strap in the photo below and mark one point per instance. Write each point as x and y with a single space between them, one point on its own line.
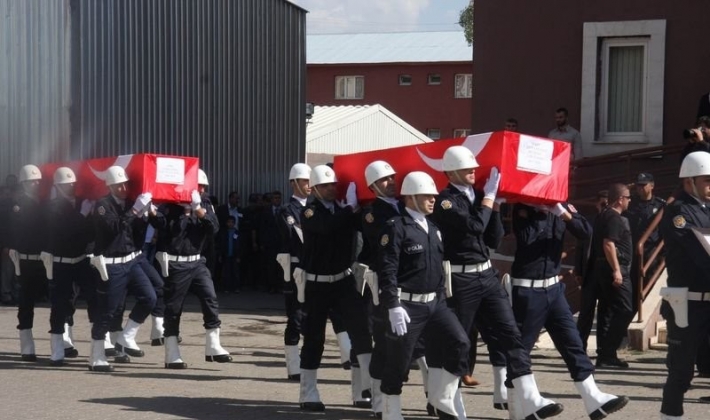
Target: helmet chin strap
459 180
317 193
300 191
416 204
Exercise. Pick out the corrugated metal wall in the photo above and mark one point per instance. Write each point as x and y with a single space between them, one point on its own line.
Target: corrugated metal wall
219 79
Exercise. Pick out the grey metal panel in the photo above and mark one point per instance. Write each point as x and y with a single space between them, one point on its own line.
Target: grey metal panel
223 80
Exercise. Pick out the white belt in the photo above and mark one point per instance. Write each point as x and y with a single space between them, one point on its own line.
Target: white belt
295 259
699 296
471 268
30 257
121 260
183 258
328 278
535 283
414 297
67 260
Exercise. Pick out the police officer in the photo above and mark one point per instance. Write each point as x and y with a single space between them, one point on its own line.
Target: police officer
686 305
538 297
182 233
69 232
470 223
411 280
115 251
328 240
27 234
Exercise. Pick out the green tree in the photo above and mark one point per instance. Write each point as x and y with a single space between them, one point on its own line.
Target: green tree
466 22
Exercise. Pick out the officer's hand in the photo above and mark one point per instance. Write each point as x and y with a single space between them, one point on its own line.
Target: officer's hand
698 136
558 210
196 200
86 207
491 188
351 195
398 320
617 278
142 201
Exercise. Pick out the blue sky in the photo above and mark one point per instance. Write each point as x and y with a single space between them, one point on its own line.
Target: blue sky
356 16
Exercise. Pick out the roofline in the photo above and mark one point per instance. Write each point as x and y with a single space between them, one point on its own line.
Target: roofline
442 62
384 33
296 6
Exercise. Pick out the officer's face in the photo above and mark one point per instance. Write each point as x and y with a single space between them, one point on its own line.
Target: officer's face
303 186
327 192
702 186
67 189
201 189
644 190
119 191
425 203
31 187
386 186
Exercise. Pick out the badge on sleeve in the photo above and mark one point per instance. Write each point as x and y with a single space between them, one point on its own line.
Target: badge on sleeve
101 210
369 218
384 240
290 220
16 208
446 204
679 221
308 213
571 208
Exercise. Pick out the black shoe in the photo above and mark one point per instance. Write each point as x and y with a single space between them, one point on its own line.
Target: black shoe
610 407
703 375
377 415
362 404
430 410
110 352
220 358
56 363
29 357
500 406
296 377
612 362
101 368
176 365
121 358
157 342
446 416
549 410
312 406
129 351
346 365
71 353
366 394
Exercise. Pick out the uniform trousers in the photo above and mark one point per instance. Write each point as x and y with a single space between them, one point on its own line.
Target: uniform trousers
187 277
33 287
585 320
62 293
614 313
538 307
379 322
158 284
339 297
442 334
123 278
682 349
294 314
479 296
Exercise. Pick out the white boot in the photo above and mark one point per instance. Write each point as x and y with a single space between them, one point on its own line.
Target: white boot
156 331
356 390
500 392
345 346
366 381
56 343
68 342
531 401
126 342
515 410
667 417
459 406
27 346
172 354
213 349
97 361
597 403
293 362
434 381
377 397
424 370
444 399
309 398
392 407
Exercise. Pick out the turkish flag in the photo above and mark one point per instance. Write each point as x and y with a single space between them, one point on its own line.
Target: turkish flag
533 169
167 178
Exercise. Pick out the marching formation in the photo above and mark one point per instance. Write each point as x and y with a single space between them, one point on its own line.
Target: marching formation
404 281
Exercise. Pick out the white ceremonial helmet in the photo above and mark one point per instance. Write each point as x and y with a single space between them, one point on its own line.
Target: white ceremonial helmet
377 170
202 178
418 182
299 171
322 174
29 173
459 157
64 175
695 164
115 175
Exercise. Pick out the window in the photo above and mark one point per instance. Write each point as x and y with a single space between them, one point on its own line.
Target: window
622 85
434 133
405 80
434 79
462 132
349 87
463 86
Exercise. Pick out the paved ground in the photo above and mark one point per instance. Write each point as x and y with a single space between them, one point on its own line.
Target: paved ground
253 386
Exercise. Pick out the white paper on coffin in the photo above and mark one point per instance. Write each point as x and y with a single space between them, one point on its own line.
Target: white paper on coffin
170 171
535 155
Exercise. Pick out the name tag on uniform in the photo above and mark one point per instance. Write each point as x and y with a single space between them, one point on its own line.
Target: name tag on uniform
414 249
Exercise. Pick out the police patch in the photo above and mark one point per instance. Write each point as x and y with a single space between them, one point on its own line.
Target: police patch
101 210
679 221
16 208
308 213
384 240
446 204
571 208
290 220
369 218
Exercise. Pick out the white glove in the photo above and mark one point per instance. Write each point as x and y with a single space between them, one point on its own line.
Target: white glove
196 200
398 320
351 195
491 188
558 210
86 207
142 201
